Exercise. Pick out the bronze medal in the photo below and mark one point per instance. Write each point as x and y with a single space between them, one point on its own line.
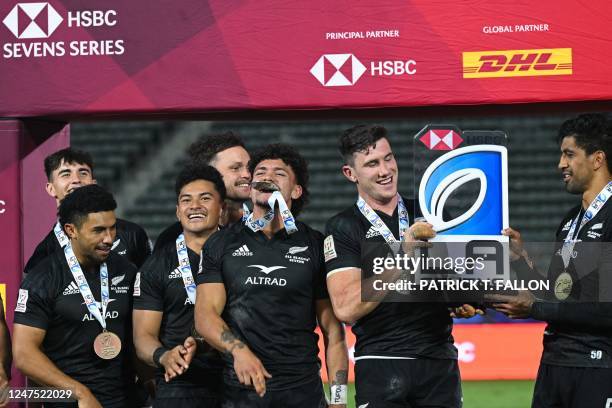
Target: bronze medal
107 345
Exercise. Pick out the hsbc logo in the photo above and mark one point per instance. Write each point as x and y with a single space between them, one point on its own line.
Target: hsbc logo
441 139
338 70
346 69
32 20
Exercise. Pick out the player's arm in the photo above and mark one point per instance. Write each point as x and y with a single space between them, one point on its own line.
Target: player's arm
345 285
210 302
33 363
150 350
336 354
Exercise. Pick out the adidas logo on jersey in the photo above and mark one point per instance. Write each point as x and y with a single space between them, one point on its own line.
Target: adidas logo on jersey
175 274
372 233
71 289
567 226
243 251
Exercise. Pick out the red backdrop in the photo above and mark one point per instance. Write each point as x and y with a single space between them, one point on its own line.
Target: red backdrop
68 58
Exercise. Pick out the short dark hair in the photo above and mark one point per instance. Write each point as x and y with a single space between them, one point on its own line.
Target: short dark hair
293 159
206 148
69 156
592 132
359 139
76 206
194 171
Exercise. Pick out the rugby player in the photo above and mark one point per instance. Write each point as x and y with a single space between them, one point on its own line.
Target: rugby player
404 355
262 290
73 317
226 153
67 170
576 365
164 298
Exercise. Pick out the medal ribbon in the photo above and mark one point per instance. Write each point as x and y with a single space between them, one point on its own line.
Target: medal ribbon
92 305
379 224
60 235
185 268
288 219
245 212
596 205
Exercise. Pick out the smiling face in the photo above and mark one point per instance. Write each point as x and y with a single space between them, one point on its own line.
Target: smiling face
68 177
577 167
233 164
93 237
199 207
375 172
281 175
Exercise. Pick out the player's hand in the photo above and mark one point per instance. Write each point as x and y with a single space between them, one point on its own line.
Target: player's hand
4 389
250 370
515 307
416 236
190 347
516 243
87 400
174 363
465 311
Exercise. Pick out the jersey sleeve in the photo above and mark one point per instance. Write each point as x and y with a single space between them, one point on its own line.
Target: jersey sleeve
212 259
341 246
149 288
35 302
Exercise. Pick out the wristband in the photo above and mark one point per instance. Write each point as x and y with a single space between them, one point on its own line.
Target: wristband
157 356
337 394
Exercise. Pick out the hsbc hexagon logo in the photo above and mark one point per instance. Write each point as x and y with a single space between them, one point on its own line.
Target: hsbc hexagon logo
338 70
441 139
32 20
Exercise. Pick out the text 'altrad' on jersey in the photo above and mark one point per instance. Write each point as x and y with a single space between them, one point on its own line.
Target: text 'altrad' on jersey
271 286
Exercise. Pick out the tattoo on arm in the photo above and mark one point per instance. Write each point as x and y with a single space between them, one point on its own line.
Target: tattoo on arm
341 377
230 341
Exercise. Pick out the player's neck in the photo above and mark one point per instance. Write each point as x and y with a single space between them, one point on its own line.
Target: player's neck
196 240
596 185
386 206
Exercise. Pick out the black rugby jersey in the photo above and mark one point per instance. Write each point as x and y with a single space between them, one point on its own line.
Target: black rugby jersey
271 286
49 299
393 329
131 242
579 330
168 236
160 288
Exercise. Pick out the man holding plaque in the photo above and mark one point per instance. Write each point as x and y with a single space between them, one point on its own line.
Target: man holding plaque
404 355
164 298
67 170
261 292
576 366
73 316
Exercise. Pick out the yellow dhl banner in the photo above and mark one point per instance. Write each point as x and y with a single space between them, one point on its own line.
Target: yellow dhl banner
516 63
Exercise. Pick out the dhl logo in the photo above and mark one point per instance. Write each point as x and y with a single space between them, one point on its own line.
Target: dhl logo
3 294
515 63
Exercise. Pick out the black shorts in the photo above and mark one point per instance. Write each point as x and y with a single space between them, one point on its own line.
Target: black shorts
572 387
309 395
383 383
